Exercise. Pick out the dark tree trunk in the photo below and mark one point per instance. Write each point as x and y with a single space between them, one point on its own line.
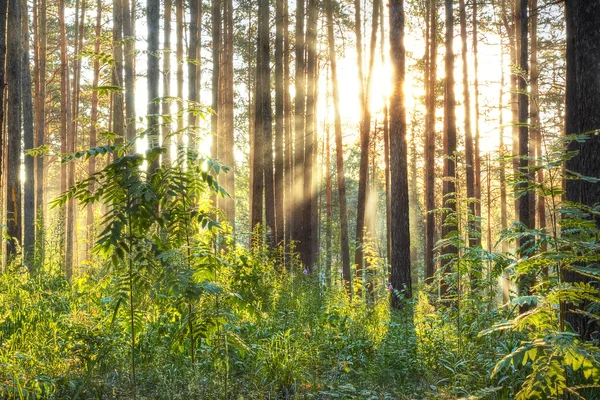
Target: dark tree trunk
502 176
129 47
279 122
226 116
40 138
582 117
166 83
476 147
339 151
449 187
430 143
287 126
525 281
298 224
400 262
3 15
118 118
94 128
153 22
179 74
28 134
14 221
216 50
262 117
307 255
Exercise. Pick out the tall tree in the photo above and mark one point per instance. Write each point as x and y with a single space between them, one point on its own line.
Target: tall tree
476 139
3 15
226 112
12 192
40 136
400 263
430 118
262 116
179 10
339 150
153 80
365 125
265 109
28 142
582 117
280 8
118 117
287 128
216 51
193 64
449 187
309 210
298 224
526 281
129 53
94 126
469 160
166 83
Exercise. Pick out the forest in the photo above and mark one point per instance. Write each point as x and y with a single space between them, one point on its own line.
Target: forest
305 199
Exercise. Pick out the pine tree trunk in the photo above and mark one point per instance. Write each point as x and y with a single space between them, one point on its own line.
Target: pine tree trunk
502 175
118 118
153 23
449 187
476 147
307 255
91 234
3 15
339 151
469 160
526 281
28 134
582 117
287 127
226 116
179 61
216 50
430 144
365 125
400 262
279 122
12 193
40 138
166 83
299 111
129 47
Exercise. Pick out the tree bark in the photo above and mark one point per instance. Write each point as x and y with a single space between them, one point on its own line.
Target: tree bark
226 115
401 270
118 118
166 84
582 117
449 187
129 47
299 111
14 221
179 74
279 122
28 135
40 138
153 23
263 70
339 151
91 234
476 147
3 17
430 118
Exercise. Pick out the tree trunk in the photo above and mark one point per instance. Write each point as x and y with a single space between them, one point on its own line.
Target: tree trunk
226 115
469 160
287 126
476 147
279 122
166 105
339 151
449 188
153 22
91 234
502 167
299 225
179 60
400 271
307 255
3 16
526 281
430 118
365 125
28 134
129 46
262 117
12 194
118 118
216 50
40 138
582 117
